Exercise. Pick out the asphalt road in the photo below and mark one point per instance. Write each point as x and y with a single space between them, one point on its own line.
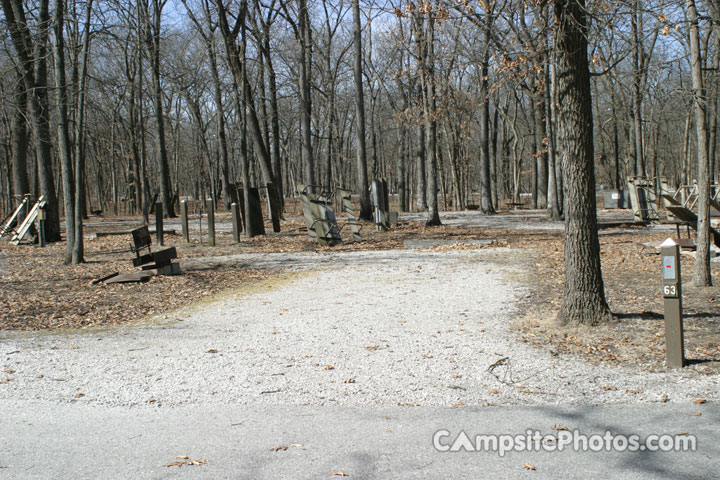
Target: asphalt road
42 440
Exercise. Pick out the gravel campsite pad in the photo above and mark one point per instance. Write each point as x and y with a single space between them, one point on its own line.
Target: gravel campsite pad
371 328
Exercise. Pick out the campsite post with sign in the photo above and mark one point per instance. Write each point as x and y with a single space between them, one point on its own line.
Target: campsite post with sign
672 293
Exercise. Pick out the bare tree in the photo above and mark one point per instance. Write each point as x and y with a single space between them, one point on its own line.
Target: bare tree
35 82
20 182
584 300
702 275
152 33
302 28
63 133
365 210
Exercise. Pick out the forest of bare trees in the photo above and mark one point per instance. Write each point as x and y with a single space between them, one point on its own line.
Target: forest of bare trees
111 105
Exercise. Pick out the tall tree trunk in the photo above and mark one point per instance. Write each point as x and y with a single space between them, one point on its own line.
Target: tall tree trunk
486 201
152 42
541 136
535 148
494 172
425 33
584 300
20 183
274 126
421 178
433 217
140 122
402 138
220 120
245 100
365 208
419 105
305 41
556 195
35 82
616 139
244 156
63 133
78 248
636 24
702 275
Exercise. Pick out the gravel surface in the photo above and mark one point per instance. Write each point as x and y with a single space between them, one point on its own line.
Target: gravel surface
374 328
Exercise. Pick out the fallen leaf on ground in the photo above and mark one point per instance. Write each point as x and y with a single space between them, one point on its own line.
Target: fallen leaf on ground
349 380
696 414
212 350
700 401
339 474
185 460
559 428
328 367
610 388
494 391
527 466
79 395
281 448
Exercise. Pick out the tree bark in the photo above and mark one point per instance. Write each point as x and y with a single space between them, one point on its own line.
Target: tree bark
584 300
220 120
486 201
541 136
433 218
63 133
35 82
152 40
305 42
702 274
80 194
274 127
636 24
556 197
20 183
365 208
244 100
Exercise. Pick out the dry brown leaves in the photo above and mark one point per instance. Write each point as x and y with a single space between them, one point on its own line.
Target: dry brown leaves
633 290
38 291
185 460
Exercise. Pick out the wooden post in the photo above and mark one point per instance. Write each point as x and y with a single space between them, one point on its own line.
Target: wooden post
236 225
159 223
672 293
211 221
273 207
41 221
184 221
